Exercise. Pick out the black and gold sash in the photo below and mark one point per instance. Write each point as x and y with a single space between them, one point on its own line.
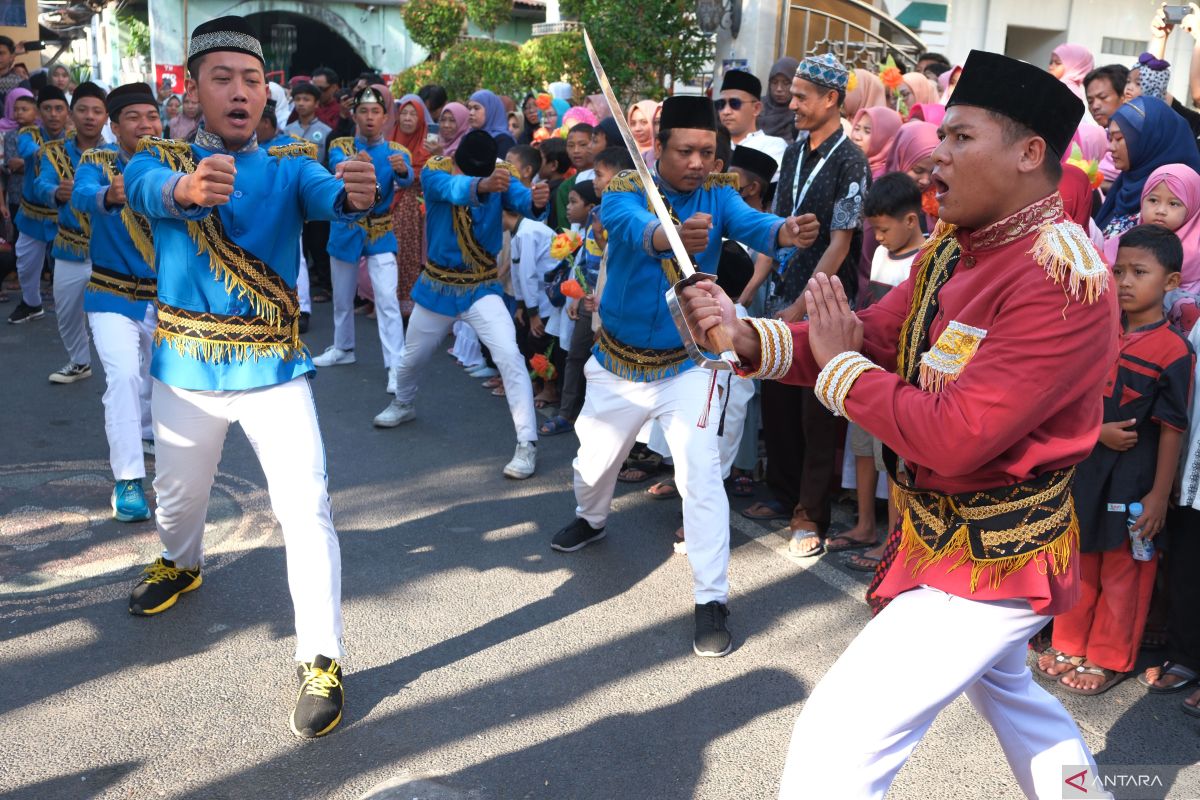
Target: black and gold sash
28 207
638 363
74 241
123 284
376 226
136 225
273 326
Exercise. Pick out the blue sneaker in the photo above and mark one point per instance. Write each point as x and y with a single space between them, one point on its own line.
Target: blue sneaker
129 502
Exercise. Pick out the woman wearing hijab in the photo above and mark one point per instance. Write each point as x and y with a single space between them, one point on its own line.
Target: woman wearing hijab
283 104
185 124
1071 63
489 115
170 111
933 113
1144 134
598 106
453 126
912 153
915 88
412 125
873 131
776 117
531 119
641 125
579 114
869 92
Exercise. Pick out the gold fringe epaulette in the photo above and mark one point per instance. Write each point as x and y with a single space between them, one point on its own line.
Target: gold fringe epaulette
34 131
717 179
625 181
399 148
440 164
99 156
293 150
136 225
512 169
165 146
343 144
1066 252
56 151
76 242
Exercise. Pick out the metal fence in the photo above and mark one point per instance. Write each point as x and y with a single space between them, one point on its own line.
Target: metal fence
859 34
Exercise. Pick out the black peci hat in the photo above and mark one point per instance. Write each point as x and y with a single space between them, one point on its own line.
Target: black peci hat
50 92
224 34
131 94
87 89
1021 92
688 111
756 162
742 81
476 154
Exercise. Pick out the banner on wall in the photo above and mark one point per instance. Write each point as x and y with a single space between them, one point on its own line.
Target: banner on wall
172 73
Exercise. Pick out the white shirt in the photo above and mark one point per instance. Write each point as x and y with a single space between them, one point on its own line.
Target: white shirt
890 271
771 145
531 260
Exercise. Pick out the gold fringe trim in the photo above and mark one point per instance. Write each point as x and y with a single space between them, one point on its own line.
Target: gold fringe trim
440 164
638 364
474 254
35 132
73 242
1067 254
212 352
39 213
56 151
933 262
944 362
301 148
716 179
344 145
137 226
627 180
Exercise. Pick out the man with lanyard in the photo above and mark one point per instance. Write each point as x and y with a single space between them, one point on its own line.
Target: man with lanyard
119 297
739 106
226 220
36 221
72 269
640 370
825 174
1001 342
465 198
374 237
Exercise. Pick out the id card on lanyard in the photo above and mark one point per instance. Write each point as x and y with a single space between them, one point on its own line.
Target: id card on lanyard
798 192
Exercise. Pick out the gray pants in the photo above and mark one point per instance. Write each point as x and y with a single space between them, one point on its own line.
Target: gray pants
70 280
31 257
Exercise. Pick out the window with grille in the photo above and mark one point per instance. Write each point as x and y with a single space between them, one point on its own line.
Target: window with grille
1124 47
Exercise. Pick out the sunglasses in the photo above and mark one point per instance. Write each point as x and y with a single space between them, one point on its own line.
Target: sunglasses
735 103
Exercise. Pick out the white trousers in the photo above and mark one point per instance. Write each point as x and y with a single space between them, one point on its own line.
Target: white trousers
31 258
490 318
304 295
614 410
70 280
927 647
382 269
123 345
741 392
466 345
281 423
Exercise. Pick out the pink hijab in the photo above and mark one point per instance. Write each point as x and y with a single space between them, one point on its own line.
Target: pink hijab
462 117
577 115
1078 62
885 123
1184 183
932 113
914 142
921 88
869 93
944 83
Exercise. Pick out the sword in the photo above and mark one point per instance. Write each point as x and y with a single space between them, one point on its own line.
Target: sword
717 336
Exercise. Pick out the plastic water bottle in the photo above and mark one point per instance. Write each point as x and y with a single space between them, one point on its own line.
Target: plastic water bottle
1143 549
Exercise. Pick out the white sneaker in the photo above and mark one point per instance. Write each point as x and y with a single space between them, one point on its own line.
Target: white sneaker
524 462
391 384
395 414
333 357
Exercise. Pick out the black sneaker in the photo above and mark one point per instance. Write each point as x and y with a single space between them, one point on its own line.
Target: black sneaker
24 313
712 637
303 325
161 587
319 704
576 536
71 373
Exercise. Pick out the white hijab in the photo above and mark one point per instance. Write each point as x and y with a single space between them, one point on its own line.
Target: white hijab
283 104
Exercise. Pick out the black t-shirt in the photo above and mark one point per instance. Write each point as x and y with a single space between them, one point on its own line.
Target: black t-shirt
1191 117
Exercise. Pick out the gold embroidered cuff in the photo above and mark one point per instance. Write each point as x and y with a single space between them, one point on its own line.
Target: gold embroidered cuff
838 377
775 348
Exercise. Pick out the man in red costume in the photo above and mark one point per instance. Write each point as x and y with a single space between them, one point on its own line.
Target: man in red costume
983 376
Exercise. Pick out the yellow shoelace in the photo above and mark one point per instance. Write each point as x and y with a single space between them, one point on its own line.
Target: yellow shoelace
318 682
159 572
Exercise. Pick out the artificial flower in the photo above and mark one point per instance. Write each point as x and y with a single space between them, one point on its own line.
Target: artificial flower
890 74
543 101
542 367
564 244
1090 168
571 288
852 81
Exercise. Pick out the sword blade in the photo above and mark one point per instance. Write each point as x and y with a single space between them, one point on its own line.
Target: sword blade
686 267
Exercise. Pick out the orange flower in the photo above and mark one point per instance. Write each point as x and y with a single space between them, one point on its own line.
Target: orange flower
543 101
892 78
571 288
929 203
540 135
564 244
540 367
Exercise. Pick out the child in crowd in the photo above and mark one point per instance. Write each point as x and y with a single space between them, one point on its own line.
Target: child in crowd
556 167
529 249
1095 644
579 150
25 114
581 200
1171 198
893 209
528 162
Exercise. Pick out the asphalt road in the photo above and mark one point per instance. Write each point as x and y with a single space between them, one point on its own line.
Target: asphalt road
481 663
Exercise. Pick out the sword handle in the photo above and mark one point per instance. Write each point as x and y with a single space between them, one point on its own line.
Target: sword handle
721 341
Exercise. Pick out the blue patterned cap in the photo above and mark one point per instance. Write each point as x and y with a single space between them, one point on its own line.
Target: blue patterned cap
824 70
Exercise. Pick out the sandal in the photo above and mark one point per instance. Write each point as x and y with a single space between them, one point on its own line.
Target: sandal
861 562
1187 676
555 426
1188 708
492 383
796 549
743 486
766 510
1060 658
634 474
1111 679
643 456
498 391
851 544
664 490
321 296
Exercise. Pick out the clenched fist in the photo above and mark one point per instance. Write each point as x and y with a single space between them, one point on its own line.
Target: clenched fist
540 194
497 182
399 165
799 231
358 175
63 193
115 196
694 232
210 185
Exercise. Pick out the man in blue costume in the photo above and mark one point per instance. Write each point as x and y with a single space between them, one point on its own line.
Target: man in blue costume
640 371
119 296
465 198
226 219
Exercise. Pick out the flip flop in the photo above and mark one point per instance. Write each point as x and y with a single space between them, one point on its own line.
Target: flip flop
1111 679
861 562
1190 709
1059 658
634 475
743 486
852 544
765 510
555 426
801 536
1169 668
664 489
